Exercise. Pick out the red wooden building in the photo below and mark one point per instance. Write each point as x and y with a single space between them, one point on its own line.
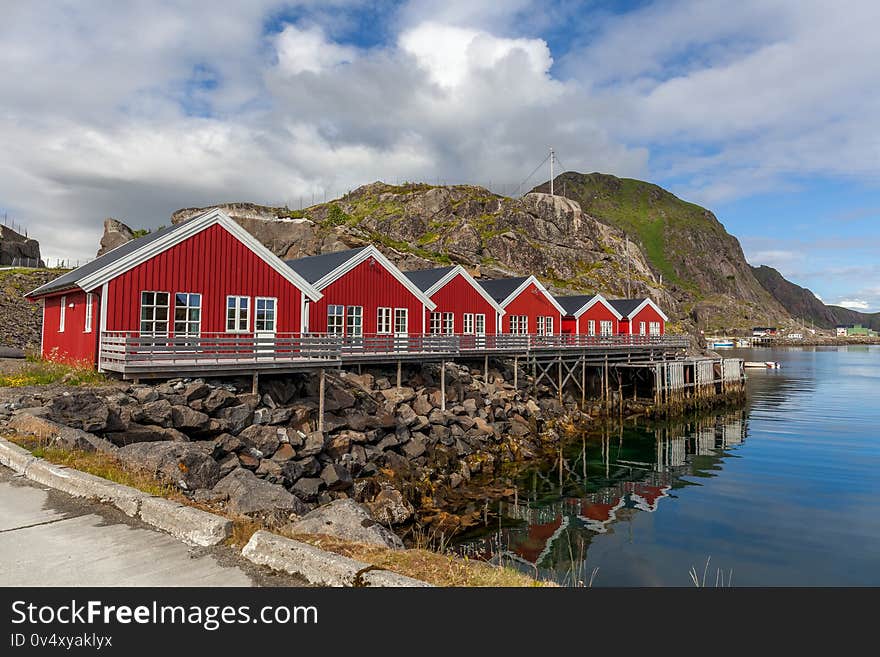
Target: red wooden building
364 294
639 317
529 308
590 315
463 306
204 276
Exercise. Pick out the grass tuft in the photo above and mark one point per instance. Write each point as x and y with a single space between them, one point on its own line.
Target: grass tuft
45 372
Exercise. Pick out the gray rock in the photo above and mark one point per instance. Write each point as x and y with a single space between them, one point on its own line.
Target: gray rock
235 417
389 507
145 395
280 415
228 463
174 462
314 444
217 399
84 411
406 415
186 419
155 412
262 416
141 433
269 470
337 445
388 442
307 488
264 438
226 443
348 520
415 447
339 399
250 495
250 399
196 390
422 405
285 452
293 470
336 477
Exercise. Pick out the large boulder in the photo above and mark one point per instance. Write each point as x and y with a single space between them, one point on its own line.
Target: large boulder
179 463
389 507
80 410
187 419
145 433
262 437
348 520
235 418
157 412
59 435
250 495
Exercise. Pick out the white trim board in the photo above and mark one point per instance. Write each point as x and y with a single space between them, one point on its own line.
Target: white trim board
641 306
193 227
459 270
524 285
362 256
592 302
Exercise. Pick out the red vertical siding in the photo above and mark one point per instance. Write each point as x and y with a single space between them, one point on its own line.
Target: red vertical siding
647 315
532 302
370 286
212 263
569 325
73 345
598 312
458 296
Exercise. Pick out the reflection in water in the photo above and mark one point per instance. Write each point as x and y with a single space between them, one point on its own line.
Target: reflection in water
597 488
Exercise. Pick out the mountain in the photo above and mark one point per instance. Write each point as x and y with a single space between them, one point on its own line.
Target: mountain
701 264
802 304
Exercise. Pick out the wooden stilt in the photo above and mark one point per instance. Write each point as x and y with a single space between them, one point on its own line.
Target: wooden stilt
321 401
443 386
559 376
583 380
486 368
399 373
255 383
515 372
607 386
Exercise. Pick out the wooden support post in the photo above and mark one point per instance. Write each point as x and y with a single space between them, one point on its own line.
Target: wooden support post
486 368
399 368
515 372
559 376
607 386
583 380
443 386
321 401
620 391
255 384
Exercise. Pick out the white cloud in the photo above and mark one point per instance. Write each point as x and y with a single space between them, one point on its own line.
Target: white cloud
308 49
853 304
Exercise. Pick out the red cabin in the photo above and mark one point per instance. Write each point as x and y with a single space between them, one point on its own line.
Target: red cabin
463 306
590 315
640 317
204 276
529 308
364 294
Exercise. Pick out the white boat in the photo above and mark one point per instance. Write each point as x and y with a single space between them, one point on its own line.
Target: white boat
762 364
743 343
721 344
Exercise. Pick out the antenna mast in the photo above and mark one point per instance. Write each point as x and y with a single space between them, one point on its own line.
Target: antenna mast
552 157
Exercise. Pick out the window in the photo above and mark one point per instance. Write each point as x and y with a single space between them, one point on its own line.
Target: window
266 317
61 314
154 313
90 299
519 324
468 323
238 314
540 327
641 328
654 328
591 327
606 327
355 322
548 325
480 322
187 313
401 315
448 323
434 324
336 320
383 320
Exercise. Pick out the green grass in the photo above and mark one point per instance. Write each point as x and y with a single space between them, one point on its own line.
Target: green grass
45 372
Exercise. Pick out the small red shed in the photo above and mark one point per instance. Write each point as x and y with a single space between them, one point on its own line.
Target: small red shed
463 306
640 317
364 294
529 308
206 275
589 314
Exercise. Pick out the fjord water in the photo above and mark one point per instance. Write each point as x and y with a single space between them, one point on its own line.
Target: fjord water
785 492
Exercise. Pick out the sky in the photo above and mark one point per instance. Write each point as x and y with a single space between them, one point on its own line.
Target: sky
764 111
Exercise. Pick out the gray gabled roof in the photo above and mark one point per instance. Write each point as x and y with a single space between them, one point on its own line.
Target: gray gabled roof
71 279
425 279
574 303
501 288
626 306
314 268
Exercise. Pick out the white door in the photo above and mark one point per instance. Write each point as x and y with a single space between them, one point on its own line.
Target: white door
265 324
401 328
480 329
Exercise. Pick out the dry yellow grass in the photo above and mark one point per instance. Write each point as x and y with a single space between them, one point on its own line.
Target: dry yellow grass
433 567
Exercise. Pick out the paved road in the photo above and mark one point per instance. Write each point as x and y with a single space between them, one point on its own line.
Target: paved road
48 538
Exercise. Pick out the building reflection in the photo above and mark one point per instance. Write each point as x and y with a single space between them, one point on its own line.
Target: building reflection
598 489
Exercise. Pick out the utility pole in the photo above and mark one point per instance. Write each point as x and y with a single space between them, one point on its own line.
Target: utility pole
627 269
552 157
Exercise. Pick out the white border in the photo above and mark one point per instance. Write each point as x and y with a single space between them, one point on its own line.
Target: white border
450 276
597 298
524 285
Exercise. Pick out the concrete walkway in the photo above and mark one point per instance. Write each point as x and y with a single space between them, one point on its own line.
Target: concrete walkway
48 538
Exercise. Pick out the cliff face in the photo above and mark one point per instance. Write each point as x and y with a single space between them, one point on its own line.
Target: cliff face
115 234
17 250
702 265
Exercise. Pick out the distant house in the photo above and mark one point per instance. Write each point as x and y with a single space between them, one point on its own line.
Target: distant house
529 308
364 293
590 315
463 306
639 317
764 331
855 330
841 330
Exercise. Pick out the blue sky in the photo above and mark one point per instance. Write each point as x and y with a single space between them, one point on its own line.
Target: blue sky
762 110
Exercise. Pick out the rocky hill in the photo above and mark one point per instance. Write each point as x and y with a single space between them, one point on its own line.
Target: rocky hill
802 304
21 320
18 250
701 264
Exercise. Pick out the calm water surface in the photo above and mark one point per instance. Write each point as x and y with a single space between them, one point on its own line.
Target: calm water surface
785 492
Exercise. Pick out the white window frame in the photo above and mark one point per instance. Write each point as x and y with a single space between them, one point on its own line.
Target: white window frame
548 325
654 328
539 329
62 315
237 314
480 319
401 313
383 321
448 323
266 329
435 323
337 326
90 299
187 332
354 329
606 327
155 305
642 328
468 325
591 327
524 325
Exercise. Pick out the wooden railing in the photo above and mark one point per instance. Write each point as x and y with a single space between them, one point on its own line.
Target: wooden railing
121 349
